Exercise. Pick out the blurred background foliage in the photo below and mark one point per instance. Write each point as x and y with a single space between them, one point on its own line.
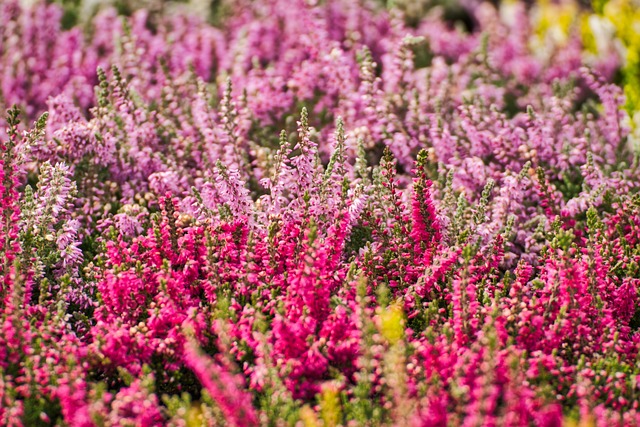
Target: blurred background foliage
604 25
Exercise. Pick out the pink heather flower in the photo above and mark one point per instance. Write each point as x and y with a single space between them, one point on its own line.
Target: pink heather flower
68 245
223 387
134 405
426 227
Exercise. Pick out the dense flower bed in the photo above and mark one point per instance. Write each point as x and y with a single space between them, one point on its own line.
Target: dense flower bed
319 213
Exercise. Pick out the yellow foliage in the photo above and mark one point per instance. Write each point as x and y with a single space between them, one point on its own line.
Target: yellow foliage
556 19
308 417
587 421
194 416
392 323
330 405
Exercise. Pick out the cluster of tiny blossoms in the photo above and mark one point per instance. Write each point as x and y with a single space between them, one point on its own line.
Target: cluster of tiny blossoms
315 213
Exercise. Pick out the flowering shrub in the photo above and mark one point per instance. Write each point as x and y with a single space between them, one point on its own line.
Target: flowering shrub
318 214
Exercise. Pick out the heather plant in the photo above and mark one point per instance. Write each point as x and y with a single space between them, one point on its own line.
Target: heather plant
316 213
